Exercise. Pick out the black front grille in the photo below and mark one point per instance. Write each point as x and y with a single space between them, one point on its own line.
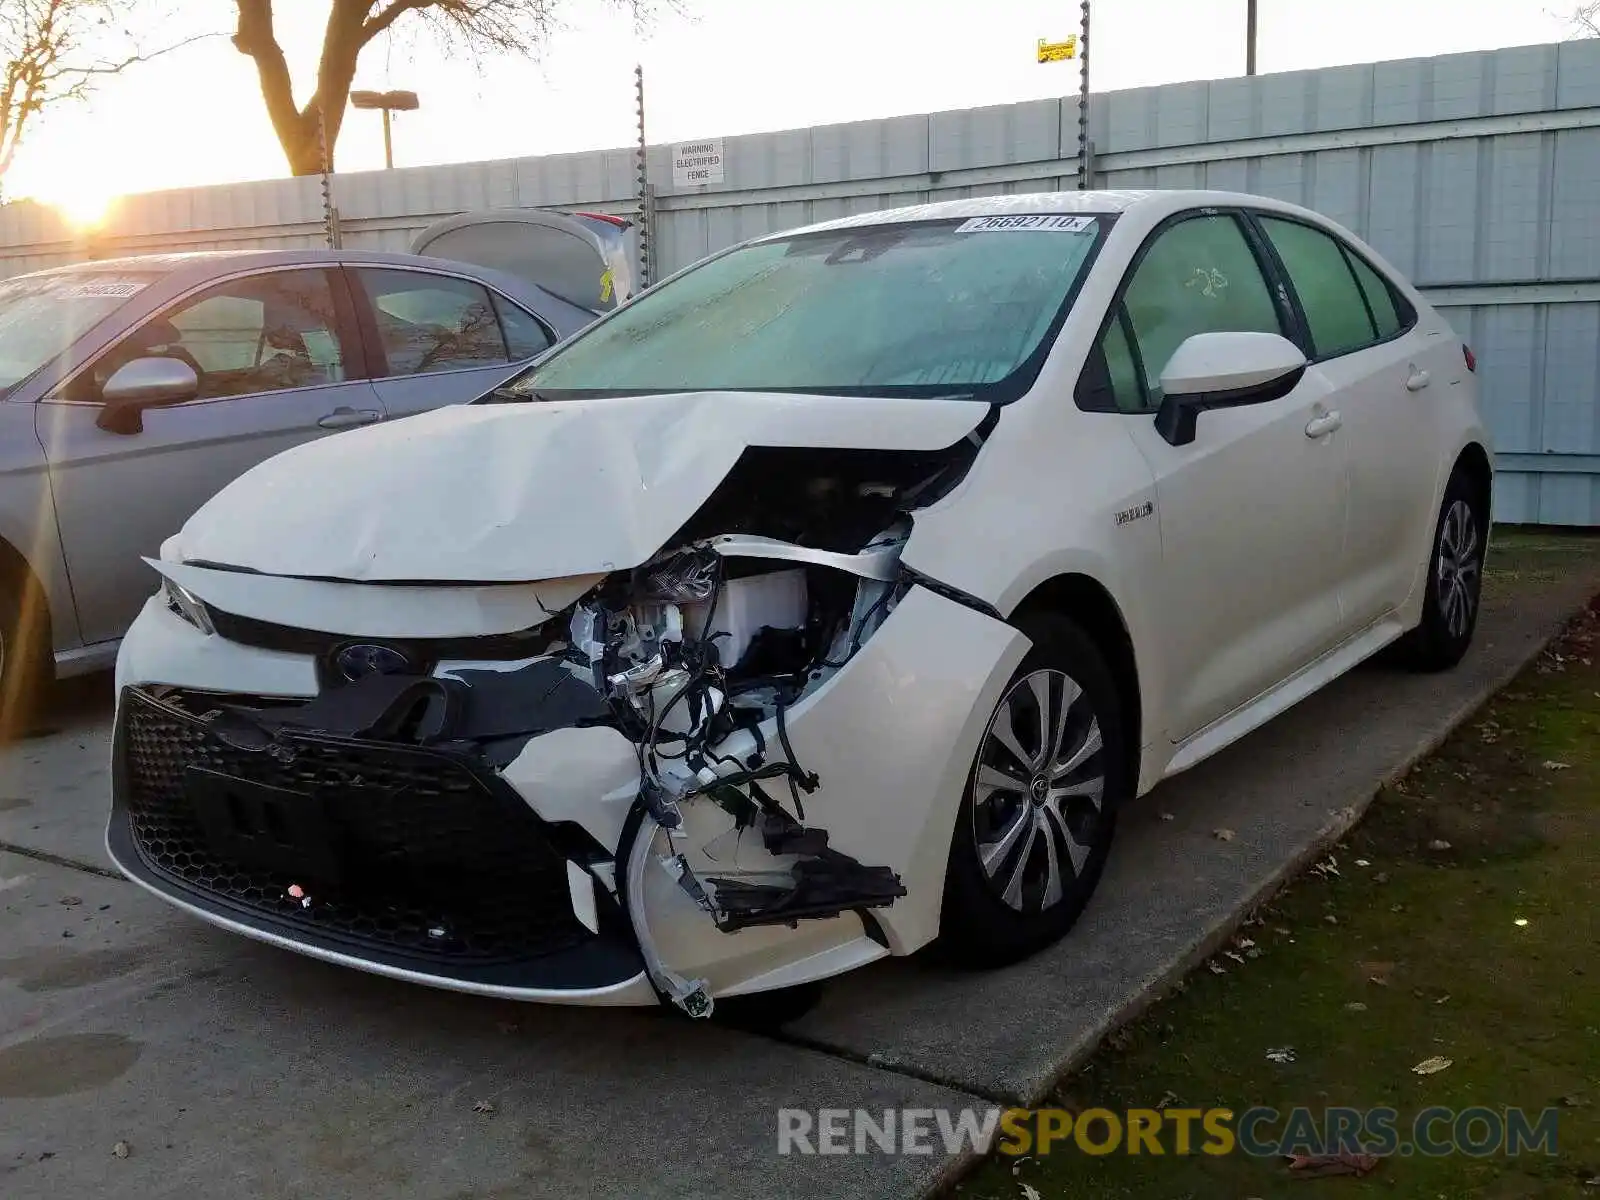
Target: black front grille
436 860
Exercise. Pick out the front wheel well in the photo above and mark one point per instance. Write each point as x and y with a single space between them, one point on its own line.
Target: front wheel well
1085 601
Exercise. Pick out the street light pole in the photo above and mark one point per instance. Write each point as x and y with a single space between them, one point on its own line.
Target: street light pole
1250 37
387 103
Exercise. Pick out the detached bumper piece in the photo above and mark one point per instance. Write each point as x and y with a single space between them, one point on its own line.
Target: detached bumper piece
826 882
400 856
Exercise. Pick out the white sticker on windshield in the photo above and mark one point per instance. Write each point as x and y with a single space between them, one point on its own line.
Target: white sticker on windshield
1050 222
119 289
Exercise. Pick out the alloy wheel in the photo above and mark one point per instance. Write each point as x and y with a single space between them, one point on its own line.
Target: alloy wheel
1038 790
1459 569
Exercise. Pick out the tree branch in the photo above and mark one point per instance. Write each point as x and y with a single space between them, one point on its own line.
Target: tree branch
381 20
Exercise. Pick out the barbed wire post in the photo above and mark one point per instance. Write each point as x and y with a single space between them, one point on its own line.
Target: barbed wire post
641 155
330 214
1085 152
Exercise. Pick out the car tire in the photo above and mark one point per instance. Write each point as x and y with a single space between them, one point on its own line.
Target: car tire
1034 828
22 658
1453 592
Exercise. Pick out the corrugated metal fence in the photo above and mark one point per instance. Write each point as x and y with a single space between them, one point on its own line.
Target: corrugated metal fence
1476 174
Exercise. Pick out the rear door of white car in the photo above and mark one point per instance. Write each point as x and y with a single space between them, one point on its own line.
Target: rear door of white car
1252 511
1387 370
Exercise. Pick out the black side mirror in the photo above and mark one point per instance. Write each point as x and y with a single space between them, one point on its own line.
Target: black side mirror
140 384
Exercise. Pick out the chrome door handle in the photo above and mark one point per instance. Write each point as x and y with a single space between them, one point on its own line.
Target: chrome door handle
1323 425
344 418
1418 381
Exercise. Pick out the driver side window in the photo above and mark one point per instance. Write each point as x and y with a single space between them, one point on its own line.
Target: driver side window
1198 276
261 333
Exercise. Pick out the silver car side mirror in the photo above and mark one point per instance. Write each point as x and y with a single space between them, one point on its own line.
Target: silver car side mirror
140 384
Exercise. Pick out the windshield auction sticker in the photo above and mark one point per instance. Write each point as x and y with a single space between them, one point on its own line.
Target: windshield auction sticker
115 289
1027 222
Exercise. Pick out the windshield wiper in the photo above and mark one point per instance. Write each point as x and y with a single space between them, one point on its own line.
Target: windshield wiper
510 395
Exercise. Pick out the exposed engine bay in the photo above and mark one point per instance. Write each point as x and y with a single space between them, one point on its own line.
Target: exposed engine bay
770 589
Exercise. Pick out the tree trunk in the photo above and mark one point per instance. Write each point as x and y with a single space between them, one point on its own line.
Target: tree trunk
302 147
301 131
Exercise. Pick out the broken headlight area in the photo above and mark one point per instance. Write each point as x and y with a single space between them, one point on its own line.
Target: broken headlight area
186 606
714 638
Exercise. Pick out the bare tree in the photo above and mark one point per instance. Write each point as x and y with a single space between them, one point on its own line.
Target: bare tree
492 26
55 50
1586 18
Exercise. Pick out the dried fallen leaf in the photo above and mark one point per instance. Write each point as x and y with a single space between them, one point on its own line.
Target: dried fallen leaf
1438 844
1361 862
1341 1163
1432 1066
1029 1193
1574 1102
1216 968
1553 765
1168 1099
1168 817
1331 919
1442 998
72 901
1283 1054
1222 835
1355 1006
122 1149
483 1106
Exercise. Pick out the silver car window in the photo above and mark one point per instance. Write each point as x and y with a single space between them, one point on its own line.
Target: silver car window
259 333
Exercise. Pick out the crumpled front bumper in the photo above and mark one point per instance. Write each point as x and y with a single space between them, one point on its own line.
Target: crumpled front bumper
433 870
891 735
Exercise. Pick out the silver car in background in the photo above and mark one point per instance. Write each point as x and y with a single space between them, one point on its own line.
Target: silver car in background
132 390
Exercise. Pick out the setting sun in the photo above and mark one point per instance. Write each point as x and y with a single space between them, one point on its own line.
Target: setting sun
80 195
85 209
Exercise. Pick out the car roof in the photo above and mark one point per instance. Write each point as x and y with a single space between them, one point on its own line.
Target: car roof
204 263
1159 201
179 272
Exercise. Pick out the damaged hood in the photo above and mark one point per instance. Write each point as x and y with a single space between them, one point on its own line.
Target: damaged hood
502 493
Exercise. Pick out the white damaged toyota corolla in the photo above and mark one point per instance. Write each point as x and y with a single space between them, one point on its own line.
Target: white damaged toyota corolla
821 602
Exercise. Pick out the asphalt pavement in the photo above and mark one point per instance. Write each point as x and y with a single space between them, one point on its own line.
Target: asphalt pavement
145 1055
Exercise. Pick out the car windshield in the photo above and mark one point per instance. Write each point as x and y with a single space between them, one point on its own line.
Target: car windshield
41 315
941 308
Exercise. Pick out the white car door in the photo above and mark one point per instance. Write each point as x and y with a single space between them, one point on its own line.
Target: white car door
1252 511
1365 340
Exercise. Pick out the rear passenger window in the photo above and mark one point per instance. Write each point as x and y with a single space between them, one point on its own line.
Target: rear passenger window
1336 310
1380 298
432 322
525 337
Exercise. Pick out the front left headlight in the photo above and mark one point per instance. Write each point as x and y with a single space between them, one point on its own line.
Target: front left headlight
187 605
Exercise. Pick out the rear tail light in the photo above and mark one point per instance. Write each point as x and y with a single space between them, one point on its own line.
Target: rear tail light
1472 359
619 222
